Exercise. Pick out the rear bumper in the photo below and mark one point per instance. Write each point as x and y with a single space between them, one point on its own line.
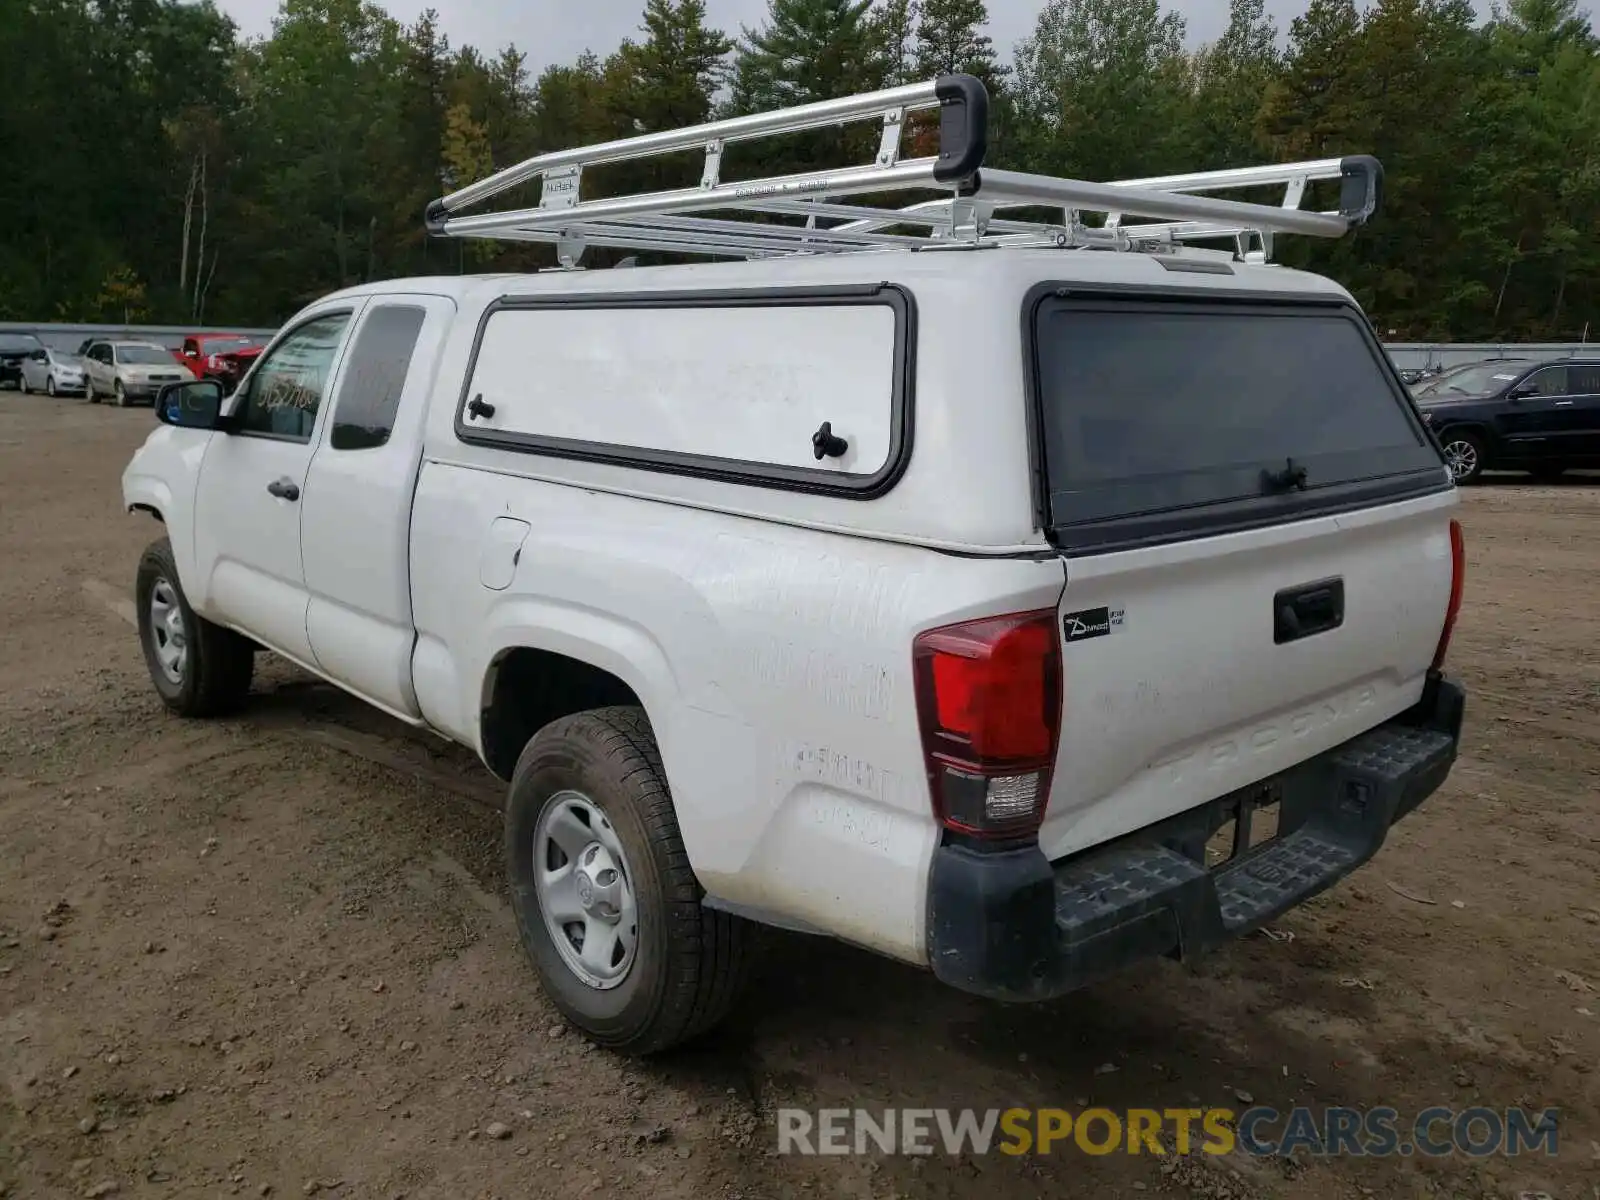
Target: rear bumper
1013 926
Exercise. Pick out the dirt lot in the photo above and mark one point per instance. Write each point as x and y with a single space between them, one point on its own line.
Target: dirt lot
271 956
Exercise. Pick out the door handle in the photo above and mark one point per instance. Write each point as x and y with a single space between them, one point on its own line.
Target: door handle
1307 610
284 489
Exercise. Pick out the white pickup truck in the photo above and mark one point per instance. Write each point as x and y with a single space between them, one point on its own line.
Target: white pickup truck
1006 606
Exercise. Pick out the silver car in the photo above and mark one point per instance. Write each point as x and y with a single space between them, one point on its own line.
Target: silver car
130 371
53 373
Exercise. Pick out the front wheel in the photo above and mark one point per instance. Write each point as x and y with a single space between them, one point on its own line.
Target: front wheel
199 669
608 908
1463 454
119 393
22 385
89 392
50 385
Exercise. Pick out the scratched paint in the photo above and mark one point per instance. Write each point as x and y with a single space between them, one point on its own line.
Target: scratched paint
841 769
847 684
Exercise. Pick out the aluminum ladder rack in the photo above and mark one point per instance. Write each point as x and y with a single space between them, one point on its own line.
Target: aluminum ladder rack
813 213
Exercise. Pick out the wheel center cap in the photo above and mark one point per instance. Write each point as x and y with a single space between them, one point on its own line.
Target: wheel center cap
585 891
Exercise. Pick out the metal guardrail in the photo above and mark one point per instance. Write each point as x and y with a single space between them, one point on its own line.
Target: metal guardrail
68 337
1415 355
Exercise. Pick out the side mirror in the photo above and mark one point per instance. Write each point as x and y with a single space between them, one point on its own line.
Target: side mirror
192 404
40 356
1522 391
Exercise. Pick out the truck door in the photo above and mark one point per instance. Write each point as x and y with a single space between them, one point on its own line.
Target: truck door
249 498
356 516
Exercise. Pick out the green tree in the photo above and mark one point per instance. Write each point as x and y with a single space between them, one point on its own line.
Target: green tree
667 80
1101 87
950 40
1231 75
807 50
1309 109
892 30
122 297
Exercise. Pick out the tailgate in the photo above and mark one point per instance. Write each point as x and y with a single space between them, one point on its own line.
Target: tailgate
1256 530
1200 668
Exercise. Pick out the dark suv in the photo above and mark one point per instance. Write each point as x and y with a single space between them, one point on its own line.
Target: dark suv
1517 415
14 347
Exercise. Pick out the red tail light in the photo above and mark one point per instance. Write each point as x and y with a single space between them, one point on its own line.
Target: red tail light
989 703
1458 576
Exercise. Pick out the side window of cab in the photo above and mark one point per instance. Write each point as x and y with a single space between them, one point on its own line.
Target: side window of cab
285 391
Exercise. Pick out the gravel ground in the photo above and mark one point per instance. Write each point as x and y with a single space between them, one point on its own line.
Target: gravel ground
271 956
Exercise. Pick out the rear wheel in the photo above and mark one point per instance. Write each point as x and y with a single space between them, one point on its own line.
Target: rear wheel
608 907
199 669
1464 454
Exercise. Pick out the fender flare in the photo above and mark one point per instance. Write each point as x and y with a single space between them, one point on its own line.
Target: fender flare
614 644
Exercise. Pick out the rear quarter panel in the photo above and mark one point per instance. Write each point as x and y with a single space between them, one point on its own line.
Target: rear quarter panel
774 663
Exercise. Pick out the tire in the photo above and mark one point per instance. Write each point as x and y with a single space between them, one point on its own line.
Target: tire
50 386
1464 454
212 676
22 385
88 390
687 963
119 393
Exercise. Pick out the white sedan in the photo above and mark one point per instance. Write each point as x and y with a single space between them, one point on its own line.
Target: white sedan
52 372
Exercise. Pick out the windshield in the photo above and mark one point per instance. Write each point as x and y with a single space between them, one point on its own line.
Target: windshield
1170 407
144 356
13 342
226 345
1474 380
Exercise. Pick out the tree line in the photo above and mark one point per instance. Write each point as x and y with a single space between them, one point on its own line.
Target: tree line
157 166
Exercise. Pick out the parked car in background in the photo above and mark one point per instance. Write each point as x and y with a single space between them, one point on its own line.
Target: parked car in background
1411 376
1428 383
129 371
224 357
15 349
52 372
1542 417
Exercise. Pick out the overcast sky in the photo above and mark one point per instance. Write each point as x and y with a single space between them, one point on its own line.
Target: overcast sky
559 30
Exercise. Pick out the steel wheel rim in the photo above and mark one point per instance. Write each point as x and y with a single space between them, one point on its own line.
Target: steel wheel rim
167 632
584 887
1461 457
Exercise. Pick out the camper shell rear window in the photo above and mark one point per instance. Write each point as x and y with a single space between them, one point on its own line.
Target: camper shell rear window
1162 419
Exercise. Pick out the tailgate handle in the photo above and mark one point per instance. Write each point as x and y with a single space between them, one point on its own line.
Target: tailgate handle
1312 608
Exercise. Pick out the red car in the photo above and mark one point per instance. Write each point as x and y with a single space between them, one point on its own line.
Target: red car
224 357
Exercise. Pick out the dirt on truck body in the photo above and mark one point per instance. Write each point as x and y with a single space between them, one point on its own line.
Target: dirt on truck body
273 956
